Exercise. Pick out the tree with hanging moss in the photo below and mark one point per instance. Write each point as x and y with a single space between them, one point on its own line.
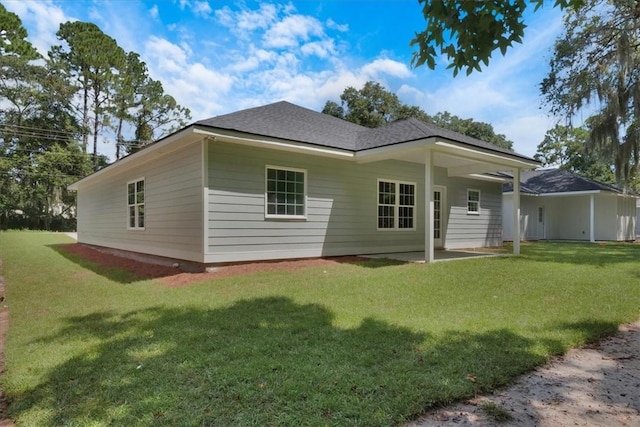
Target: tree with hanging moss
595 71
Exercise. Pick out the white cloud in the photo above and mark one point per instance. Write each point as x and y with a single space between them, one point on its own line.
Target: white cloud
321 49
168 56
201 8
331 24
153 12
245 21
382 66
526 132
292 29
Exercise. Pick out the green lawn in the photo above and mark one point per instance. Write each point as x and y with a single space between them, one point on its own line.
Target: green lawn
370 344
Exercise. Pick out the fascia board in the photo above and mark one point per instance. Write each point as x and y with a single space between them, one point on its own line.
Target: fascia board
482 155
381 153
273 143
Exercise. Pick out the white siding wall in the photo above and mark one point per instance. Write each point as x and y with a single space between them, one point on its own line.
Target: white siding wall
341 208
568 217
530 227
173 208
626 218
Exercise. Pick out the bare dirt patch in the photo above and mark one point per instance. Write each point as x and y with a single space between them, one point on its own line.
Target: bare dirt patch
598 385
174 277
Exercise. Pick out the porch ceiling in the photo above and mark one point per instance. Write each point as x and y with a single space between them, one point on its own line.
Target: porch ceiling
456 165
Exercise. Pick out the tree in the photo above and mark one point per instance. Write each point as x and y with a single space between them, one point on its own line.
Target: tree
374 106
39 153
598 59
13 37
468 32
92 59
479 130
158 114
566 147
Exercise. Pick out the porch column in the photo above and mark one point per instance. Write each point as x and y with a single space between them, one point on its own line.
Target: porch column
428 210
592 219
516 211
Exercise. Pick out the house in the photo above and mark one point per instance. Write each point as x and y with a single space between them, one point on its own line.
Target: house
558 205
281 181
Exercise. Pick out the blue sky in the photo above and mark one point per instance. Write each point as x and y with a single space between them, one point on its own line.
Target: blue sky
220 56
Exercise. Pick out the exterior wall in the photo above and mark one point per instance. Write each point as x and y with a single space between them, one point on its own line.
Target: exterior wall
637 217
626 225
173 208
341 208
568 217
464 230
530 226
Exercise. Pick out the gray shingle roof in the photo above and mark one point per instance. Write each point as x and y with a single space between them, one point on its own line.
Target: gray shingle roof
288 121
558 181
291 122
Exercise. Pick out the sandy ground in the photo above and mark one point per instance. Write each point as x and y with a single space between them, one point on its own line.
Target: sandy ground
597 385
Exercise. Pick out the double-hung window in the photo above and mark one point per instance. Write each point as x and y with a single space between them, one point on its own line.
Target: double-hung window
473 202
286 193
396 205
135 204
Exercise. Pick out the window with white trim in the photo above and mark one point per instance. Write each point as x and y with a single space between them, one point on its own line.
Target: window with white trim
135 204
473 202
396 205
286 193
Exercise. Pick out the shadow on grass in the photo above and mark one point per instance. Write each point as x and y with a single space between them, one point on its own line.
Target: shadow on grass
265 361
117 269
126 270
598 254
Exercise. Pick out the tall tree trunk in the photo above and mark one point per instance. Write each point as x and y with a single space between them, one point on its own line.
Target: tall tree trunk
85 116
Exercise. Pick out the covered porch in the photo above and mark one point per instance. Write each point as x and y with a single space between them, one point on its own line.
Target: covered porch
461 160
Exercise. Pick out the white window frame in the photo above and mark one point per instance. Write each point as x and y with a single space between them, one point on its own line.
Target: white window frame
267 215
136 204
396 206
477 202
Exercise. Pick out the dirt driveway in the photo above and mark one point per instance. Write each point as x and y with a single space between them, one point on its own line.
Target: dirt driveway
597 385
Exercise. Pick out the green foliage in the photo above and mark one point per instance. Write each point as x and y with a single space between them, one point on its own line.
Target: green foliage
468 32
39 156
375 106
495 412
364 344
480 130
87 87
568 148
596 68
13 36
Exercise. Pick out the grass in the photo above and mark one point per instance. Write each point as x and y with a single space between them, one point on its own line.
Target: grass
364 344
496 413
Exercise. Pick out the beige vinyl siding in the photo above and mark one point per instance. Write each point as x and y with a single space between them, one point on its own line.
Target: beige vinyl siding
173 208
341 207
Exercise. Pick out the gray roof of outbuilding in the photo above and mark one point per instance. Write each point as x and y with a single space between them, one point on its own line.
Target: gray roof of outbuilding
547 181
288 121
